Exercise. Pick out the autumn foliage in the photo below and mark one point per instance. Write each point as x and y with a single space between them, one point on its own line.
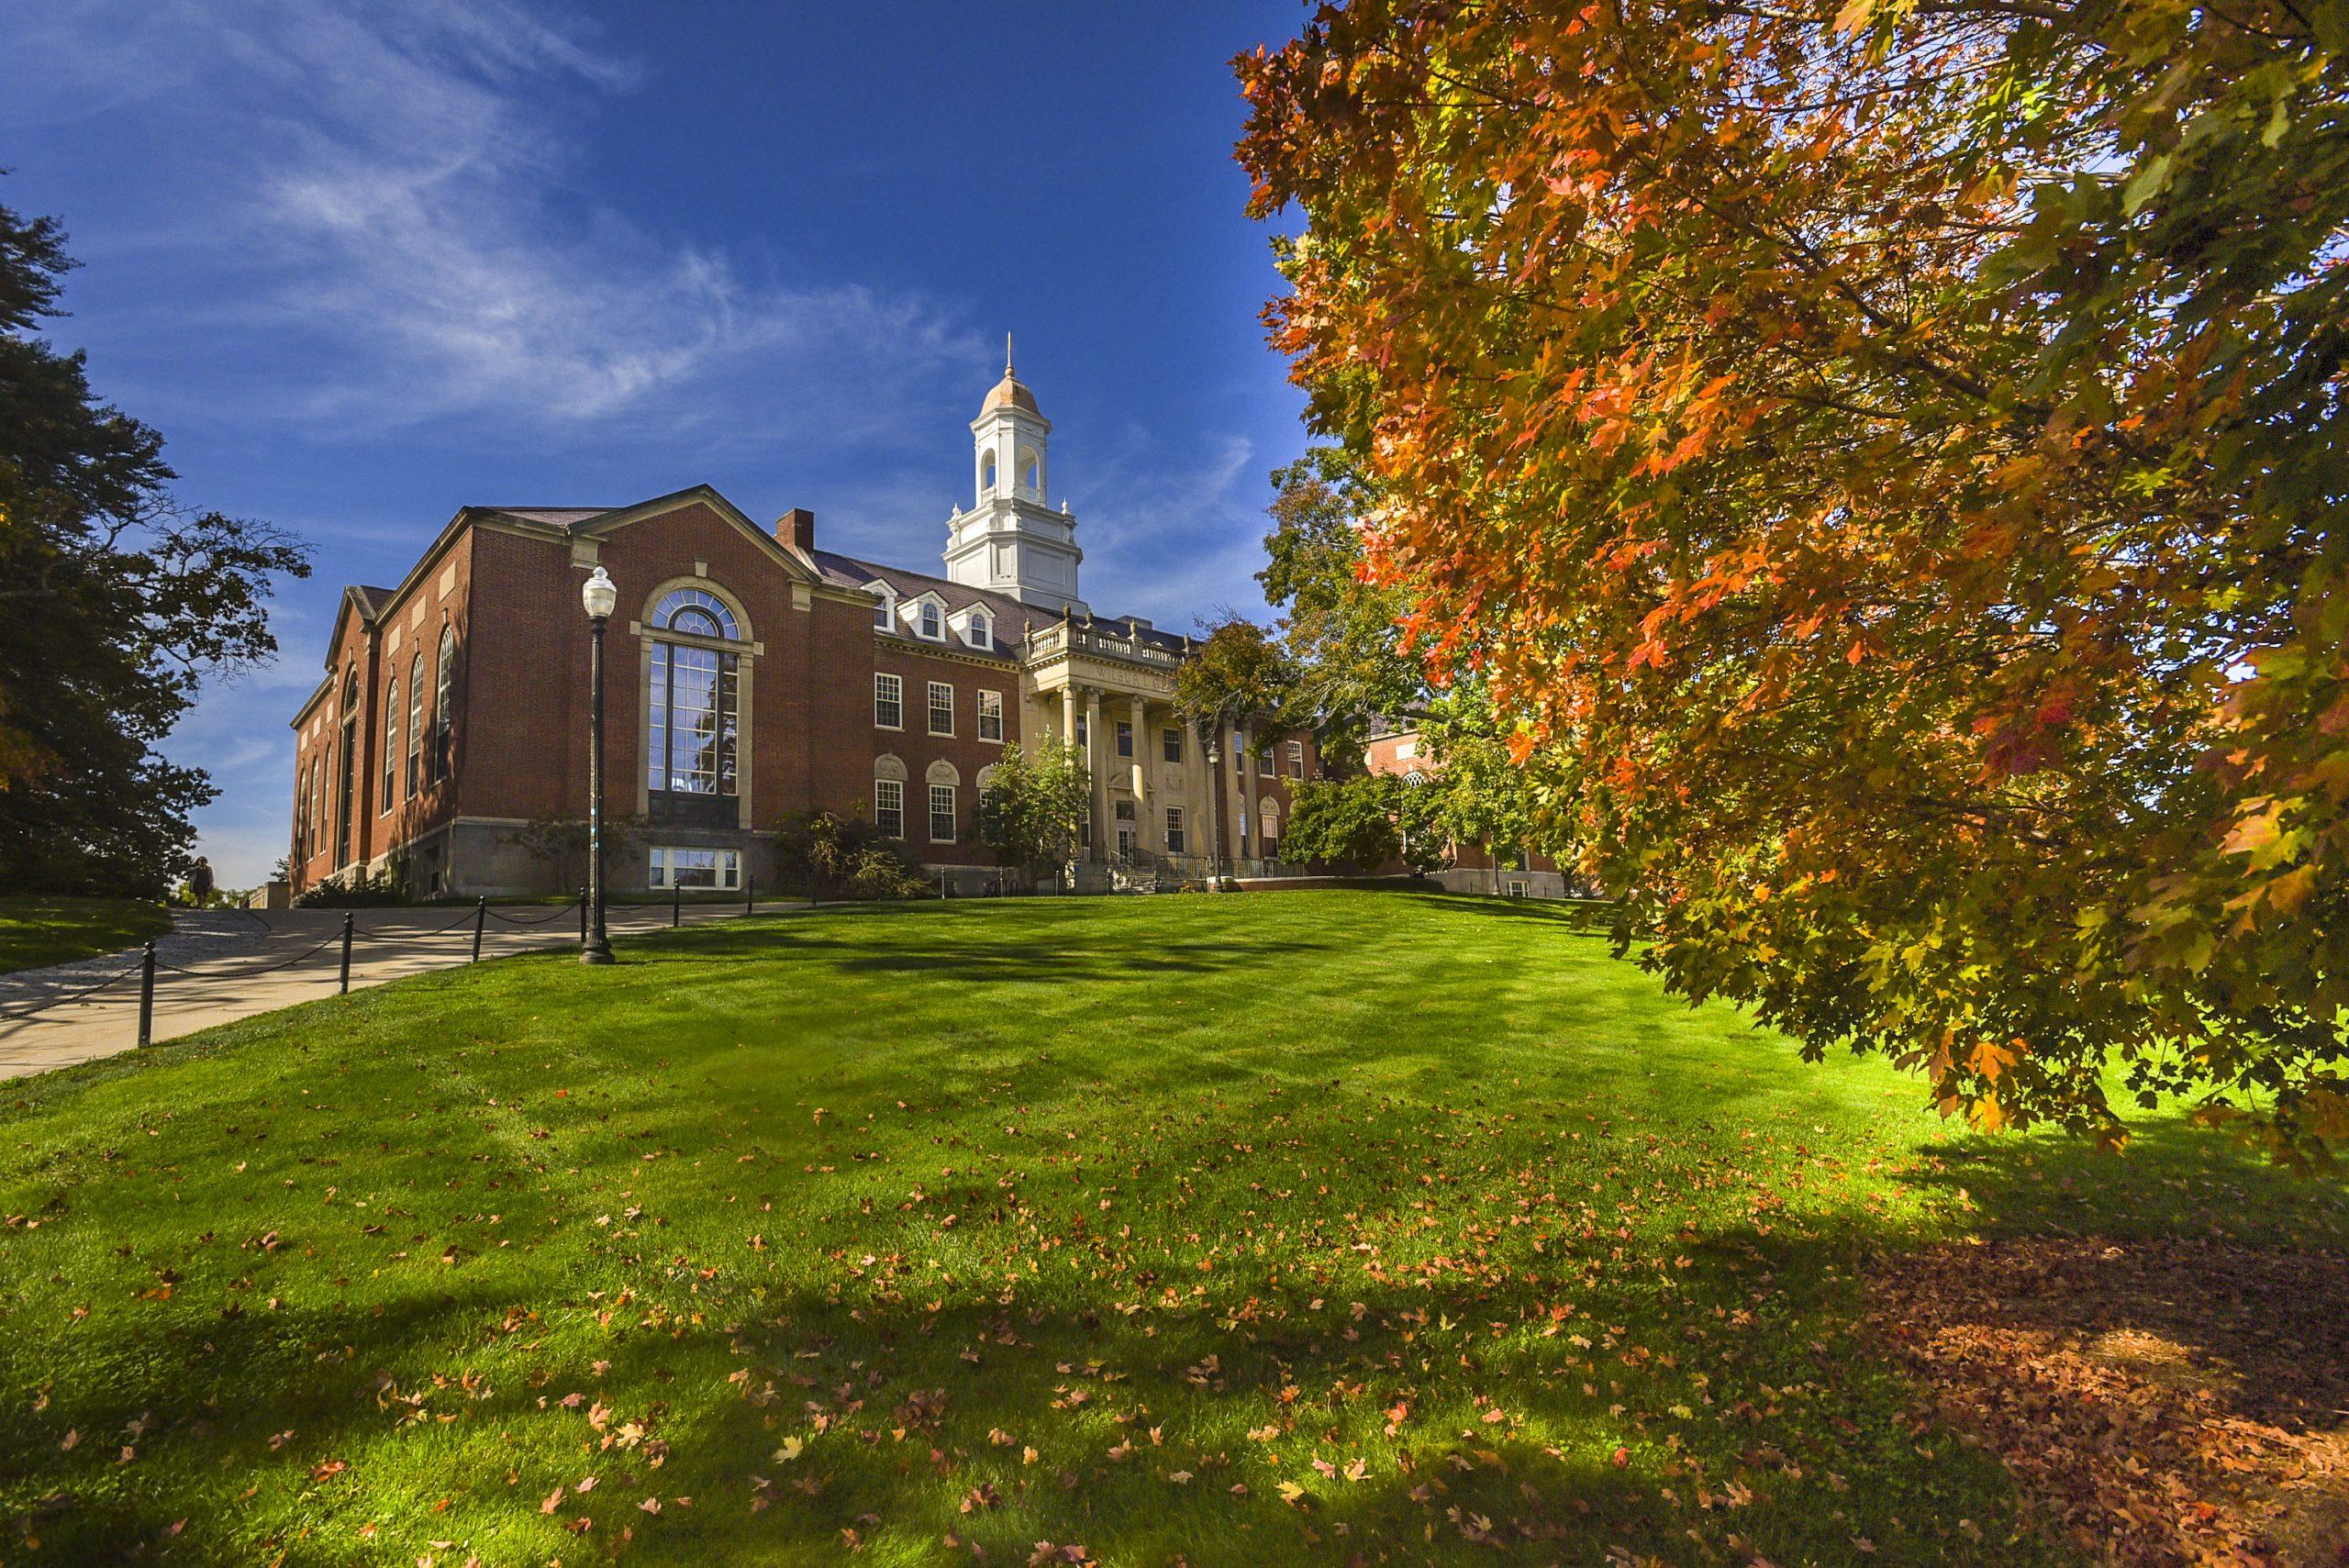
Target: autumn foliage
1892 455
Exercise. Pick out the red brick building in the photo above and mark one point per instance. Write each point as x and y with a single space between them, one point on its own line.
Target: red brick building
750 675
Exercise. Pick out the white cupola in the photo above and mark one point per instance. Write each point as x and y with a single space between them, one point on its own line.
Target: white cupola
1011 541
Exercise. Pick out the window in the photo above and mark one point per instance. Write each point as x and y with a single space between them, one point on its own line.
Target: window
1265 764
990 716
1083 737
933 624
1125 738
883 612
941 708
693 740
987 472
688 869
1517 889
941 814
1170 744
696 612
982 635
889 807
415 719
391 744
1296 758
1174 829
888 703
444 716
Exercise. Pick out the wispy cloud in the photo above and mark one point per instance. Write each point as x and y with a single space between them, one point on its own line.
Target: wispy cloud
386 190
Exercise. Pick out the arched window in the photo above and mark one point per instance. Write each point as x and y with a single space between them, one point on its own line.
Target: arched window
350 763
945 818
444 705
391 745
889 796
414 721
1415 778
981 633
691 753
697 614
1031 472
301 813
987 472
1268 837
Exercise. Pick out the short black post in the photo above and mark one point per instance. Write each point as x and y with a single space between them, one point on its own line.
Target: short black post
582 918
346 955
481 918
147 993
750 891
676 900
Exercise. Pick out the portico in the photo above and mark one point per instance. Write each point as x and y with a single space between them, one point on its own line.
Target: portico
1109 688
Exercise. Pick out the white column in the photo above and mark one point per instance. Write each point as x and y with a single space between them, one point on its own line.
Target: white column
1095 762
1138 715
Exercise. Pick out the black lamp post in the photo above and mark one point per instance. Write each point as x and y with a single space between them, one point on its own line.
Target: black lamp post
599 596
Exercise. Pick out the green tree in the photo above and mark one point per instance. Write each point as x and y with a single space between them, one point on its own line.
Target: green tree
1033 805
113 603
1340 630
1367 821
1239 677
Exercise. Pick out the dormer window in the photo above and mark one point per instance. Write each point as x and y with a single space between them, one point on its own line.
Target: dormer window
884 605
933 624
982 635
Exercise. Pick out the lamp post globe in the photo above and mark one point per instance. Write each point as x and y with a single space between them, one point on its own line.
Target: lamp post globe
598 595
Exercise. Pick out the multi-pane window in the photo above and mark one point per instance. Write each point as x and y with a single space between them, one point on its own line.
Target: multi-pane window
1125 738
982 635
1265 764
888 703
1083 734
941 708
990 716
414 720
889 807
933 626
882 614
390 743
693 742
1170 743
444 712
688 869
1174 829
1296 758
941 814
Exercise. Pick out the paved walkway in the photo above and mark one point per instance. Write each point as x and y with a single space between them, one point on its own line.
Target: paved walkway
220 965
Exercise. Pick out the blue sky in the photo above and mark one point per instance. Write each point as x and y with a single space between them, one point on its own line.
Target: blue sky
365 263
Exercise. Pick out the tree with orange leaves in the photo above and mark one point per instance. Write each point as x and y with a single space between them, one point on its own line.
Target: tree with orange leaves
1892 457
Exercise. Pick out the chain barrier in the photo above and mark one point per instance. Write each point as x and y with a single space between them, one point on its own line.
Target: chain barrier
150 963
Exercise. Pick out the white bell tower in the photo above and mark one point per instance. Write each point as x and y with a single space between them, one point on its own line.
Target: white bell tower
1011 541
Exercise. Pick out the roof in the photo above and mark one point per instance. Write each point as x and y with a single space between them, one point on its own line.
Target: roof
1013 619
370 598
1010 393
553 517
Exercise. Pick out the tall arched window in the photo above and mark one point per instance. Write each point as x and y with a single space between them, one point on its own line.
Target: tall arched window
693 740
444 716
414 721
301 813
987 472
347 834
391 746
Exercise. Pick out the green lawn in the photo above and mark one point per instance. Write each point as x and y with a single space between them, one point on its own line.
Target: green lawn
1277 1228
38 929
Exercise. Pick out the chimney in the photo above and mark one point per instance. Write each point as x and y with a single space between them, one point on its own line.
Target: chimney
797 526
